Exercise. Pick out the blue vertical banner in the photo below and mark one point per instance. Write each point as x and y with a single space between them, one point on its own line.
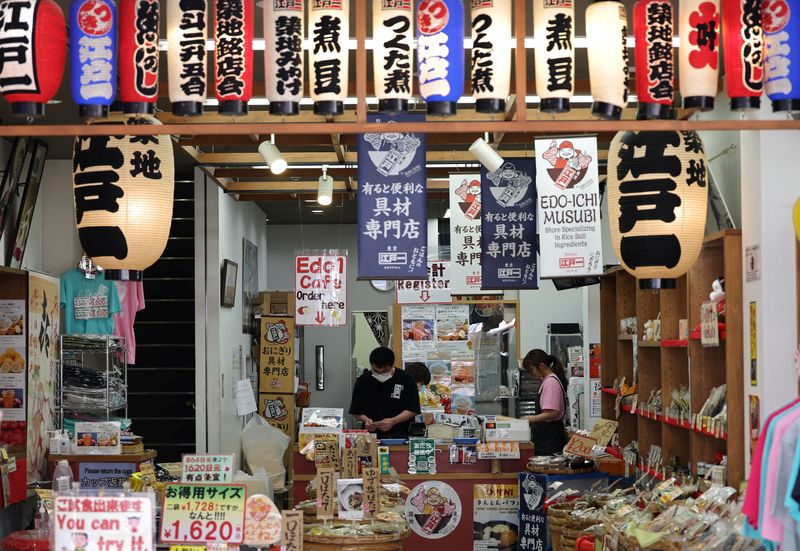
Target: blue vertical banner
392 203
532 517
93 51
440 54
781 22
508 226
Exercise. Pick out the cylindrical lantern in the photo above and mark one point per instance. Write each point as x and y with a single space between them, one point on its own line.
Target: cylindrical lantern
655 66
138 55
554 31
743 45
699 53
123 191
233 55
283 55
440 54
186 55
781 20
93 55
328 60
392 63
491 54
657 197
606 33
35 37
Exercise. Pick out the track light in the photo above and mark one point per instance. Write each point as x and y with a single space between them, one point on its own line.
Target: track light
486 155
272 156
325 190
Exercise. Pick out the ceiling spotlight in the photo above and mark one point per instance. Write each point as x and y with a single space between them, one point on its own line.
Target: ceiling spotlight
325 190
272 156
485 154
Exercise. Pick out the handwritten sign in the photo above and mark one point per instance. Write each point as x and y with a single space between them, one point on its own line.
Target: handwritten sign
203 513
321 289
105 523
421 456
603 431
367 450
709 324
276 363
580 445
262 526
325 500
292 530
372 484
203 467
326 451
349 463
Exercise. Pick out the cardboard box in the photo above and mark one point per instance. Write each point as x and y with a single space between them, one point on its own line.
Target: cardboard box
275 303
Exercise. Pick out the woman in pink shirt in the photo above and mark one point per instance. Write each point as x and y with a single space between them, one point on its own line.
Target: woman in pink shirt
547 427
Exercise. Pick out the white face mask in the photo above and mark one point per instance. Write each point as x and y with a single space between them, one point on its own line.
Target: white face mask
382 377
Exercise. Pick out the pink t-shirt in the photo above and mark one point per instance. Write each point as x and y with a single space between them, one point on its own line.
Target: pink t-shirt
131 297
551 395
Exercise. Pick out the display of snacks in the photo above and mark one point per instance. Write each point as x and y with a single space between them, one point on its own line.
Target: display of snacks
354 532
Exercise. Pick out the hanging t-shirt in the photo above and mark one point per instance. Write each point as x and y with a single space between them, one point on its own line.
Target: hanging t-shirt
131 297
89 304
785 431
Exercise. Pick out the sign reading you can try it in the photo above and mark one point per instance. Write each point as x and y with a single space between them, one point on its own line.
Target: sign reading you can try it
321 289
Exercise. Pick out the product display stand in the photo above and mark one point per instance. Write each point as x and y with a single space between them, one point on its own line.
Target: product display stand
674 362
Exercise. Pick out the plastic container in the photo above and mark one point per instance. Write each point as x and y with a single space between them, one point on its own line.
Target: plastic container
62 477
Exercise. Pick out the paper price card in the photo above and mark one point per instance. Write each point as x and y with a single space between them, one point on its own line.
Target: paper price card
349 463
208 468
292 530
202 513
103 523
580 445
325 493
372 484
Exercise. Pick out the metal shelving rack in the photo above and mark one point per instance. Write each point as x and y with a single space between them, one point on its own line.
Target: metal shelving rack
109 352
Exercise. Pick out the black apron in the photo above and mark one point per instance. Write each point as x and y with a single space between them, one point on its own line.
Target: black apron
549 437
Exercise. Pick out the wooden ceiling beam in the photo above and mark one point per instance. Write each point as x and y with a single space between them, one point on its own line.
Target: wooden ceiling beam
288 186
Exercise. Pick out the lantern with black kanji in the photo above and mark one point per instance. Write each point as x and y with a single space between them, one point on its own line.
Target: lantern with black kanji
186 55
392 54
657 198
328 60
93 55
781 22
283 55
554 32
138 55
233 55
653 58
491 54
123 191
743 45
699 53
440 54
33 45
607 33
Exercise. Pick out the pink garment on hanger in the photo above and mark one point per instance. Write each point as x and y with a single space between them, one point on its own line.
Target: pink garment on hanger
771 526
131 297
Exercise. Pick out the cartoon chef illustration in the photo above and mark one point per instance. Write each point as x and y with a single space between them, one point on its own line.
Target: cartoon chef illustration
567 163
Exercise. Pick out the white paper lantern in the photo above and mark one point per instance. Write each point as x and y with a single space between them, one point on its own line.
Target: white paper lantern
392 55
283 55
553 32
491 54
328 31
699 52
123 190
186 55
606 33
657 198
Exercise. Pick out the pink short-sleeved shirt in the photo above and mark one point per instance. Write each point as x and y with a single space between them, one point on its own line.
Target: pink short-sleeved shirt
131 297
551 395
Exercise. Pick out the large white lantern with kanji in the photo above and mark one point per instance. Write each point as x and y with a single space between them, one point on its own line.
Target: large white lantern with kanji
554 32
607 33
328 31
491 54
392 54
283 55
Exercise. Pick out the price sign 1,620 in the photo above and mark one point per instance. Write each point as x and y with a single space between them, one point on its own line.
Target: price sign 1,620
202 513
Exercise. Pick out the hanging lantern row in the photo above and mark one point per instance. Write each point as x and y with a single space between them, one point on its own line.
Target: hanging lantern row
761 53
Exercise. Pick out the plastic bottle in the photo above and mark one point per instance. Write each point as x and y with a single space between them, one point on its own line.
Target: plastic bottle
41 522
62 477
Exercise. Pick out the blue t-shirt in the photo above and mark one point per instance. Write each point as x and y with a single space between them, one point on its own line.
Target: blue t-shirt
89 304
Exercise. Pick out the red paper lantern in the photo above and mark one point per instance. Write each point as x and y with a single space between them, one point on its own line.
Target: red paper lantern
743 46
138 55
233 55
33 45
655 65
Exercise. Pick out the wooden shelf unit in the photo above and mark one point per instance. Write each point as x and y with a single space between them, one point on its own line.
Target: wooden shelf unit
678 363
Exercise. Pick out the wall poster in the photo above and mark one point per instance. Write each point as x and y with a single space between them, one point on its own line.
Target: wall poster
568 208
321 288
495 516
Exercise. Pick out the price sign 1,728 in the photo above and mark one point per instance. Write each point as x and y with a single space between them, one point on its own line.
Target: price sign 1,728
202 513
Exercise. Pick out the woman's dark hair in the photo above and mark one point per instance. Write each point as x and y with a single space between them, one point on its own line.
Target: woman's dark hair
382 357
420 372
538 356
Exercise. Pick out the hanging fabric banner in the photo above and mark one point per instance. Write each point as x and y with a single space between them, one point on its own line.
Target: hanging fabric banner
465 234
93 37
508 226
568 208
392 203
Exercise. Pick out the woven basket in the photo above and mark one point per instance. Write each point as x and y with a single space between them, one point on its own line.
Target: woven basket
571 532
559 517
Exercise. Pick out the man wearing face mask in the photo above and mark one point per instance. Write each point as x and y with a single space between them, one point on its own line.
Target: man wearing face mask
385 399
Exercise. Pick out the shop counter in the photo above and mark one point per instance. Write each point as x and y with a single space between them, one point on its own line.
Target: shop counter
108 471
461 478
